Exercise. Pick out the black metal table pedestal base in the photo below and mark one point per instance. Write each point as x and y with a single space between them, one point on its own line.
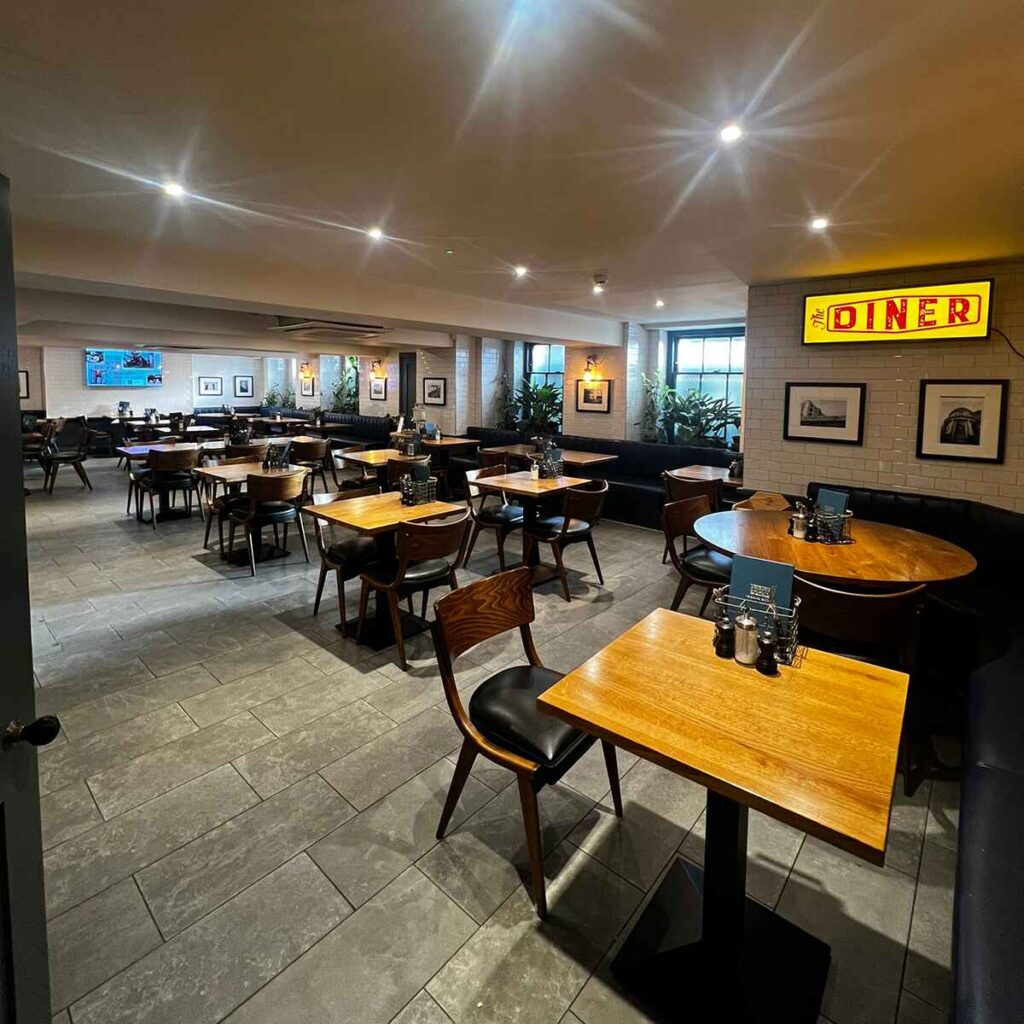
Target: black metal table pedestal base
378 633
720 958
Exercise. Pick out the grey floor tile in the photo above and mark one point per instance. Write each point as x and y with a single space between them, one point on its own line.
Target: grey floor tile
907 824
67 813
72 679
64 765
96 940
124 705
89 863
120 789
421 1009
407 697
516 968
376 846
306 750
772 849
209 969
863 913
589 775
297 707
659 808
61 1018
481 862
255 658
383 764
369 967
191 881
247 691
944 814
917 1011
929 954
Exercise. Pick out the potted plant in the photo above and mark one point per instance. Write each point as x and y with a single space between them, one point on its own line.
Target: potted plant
541 409
508 404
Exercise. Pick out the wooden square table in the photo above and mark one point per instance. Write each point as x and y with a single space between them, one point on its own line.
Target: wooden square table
532 493
449 442
379 516
196 428
584 459
140 452
814 746
708 473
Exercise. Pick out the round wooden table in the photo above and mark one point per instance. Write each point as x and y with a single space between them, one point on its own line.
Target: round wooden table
880 555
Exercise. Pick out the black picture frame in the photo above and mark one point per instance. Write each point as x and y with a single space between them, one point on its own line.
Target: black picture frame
959 450
858 390
583 386
307 387
210 387
435 390
244 390
23 384
378 389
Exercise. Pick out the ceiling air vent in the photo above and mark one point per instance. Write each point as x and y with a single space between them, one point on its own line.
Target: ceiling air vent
326 330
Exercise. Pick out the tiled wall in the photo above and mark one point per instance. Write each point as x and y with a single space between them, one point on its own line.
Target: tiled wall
492 365
368 407
612 366
892 373
227 368
30 359
440 362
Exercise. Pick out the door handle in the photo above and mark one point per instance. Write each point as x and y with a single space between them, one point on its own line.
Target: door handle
38 733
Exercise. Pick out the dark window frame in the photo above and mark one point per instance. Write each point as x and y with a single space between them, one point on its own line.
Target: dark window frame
529 372
673 375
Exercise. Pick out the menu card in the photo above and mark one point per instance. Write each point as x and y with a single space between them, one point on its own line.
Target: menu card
761 582
832 501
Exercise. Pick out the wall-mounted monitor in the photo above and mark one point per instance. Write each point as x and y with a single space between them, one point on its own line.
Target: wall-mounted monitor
937 312
123 368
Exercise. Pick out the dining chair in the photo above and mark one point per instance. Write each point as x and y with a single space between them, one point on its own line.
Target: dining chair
426 555
169 473
882 628
489 459
499 516
699 565
119 439
677 489
69 447
214 504
253 452
346 558
268 501
312 455
366 478
397 468
580 514
503 722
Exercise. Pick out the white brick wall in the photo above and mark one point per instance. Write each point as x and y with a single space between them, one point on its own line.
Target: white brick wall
491 368
227 368
367 407
892 372
612 366
30 358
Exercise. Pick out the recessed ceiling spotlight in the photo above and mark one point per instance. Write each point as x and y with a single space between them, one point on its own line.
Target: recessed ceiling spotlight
600 280
173 189
449 252
521 271
819 223
659 303
731 133
598 289
376 233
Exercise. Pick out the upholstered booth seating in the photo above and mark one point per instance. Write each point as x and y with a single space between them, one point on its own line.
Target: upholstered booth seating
367 431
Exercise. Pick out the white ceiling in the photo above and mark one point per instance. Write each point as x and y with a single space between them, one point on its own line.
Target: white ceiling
572 136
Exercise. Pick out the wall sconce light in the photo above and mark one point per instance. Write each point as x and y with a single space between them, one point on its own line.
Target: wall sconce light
377 369
305 372
592 372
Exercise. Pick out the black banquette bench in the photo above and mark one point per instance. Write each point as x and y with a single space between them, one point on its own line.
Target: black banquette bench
369 431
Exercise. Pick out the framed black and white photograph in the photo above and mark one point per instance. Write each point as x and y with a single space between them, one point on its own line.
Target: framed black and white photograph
211 386
307 387
829 412
593 396
23 383
244 387
964 420
378 389
434 390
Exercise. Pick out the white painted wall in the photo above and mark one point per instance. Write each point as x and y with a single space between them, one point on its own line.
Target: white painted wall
227 368
31 359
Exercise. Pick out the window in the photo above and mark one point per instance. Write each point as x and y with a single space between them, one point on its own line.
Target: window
545 364
708 360
276 374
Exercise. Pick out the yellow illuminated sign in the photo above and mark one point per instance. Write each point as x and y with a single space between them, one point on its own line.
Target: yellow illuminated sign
937 312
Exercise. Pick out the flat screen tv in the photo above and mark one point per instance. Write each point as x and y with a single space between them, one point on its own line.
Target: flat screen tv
122 368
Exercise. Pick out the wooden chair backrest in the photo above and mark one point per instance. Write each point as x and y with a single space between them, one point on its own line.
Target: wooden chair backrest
397 468
585 502
279 487
417 542
678 490
235 460
174 461
332 496
489 459
309 451
473 492
248 451
677 519
883 620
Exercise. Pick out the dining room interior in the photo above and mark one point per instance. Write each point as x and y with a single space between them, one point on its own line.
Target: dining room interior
516 513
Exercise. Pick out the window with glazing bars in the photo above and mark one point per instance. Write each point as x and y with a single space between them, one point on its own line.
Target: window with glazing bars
708 360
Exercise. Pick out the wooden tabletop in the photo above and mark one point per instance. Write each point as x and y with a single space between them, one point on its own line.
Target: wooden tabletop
225 415
198 428
141 451
377 457
814 746
585 458
521 485
522 450
879 554
239 472
379 513
274 419
449 442
707 473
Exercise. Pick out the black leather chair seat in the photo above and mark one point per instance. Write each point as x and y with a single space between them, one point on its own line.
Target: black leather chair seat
64 457
501 515
551 526
267 512
504 708
433 571
169 479
703 564
354 551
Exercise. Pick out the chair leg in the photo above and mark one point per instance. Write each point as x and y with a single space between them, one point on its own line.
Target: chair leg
557 552
82 475
220 533
285 548
209 526
341 598
531 822
664 554
131 491
231 540
707 598
320 588
364 598
53 476
277 536
423 613
499 536
612 765
593 555
152 510
467 755
252 550
472 540
396 622
302 536
684 586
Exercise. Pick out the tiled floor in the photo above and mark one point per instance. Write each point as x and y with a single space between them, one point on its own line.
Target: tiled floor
239 824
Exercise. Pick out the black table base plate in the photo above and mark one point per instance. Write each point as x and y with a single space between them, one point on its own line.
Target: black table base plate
378 632
777 977
264 552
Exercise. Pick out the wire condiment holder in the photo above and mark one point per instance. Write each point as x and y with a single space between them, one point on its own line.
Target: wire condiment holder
784 622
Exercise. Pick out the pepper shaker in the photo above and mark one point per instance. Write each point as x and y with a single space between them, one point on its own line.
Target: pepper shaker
725 638
746 637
